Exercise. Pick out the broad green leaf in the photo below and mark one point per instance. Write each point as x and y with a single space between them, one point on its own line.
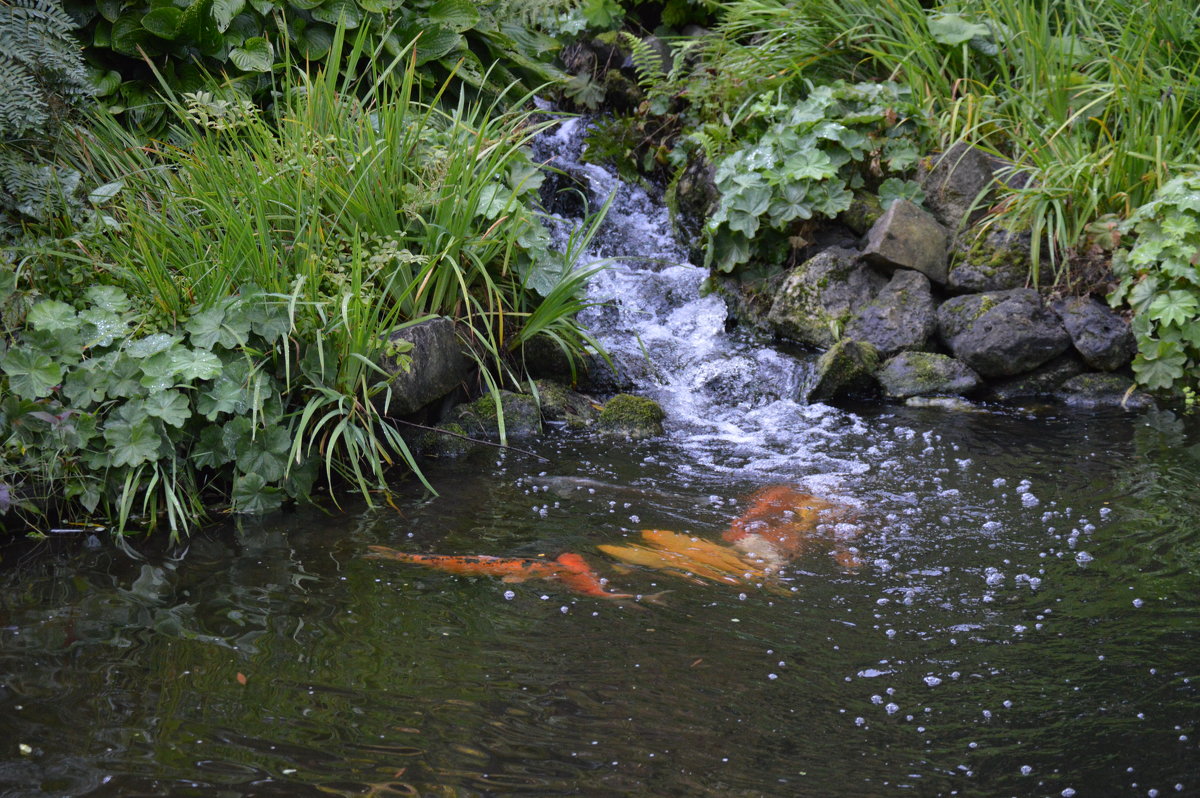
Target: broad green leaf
255 55
315 41
194 364
1159 373
752 201
106 327
8 284
150 345
85 385
745 223
110 298
223 12
171 406
494 199
223 396
157 374
51 315
729 249
808 165
209 450
893 189
955 29
105 82
163 22
436 42
266 454
334 12
31 375
109 9
456 15
132 442
251 494
1174 308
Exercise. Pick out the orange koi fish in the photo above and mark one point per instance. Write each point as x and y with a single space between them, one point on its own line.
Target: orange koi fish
782 523
569 570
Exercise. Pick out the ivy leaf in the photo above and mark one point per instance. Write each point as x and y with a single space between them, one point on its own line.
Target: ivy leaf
171 406
252 495
31 375
1174 308
131 442
51 315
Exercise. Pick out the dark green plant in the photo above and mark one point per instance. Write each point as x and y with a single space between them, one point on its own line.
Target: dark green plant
486 45
1160 280
798 161
43 79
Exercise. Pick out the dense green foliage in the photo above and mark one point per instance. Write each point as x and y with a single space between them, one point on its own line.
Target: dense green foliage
488 44
219 343
44 79
797 160
1160 280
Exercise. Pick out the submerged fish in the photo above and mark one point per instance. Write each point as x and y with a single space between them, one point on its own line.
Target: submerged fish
782 523
569 569
688 556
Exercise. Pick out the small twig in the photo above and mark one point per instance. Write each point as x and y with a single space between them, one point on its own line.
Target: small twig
472 440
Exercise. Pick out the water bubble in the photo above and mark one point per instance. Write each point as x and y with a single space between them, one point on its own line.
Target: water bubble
932 681
892 709
1068 793
1083 558
772 676
1026 770
876 699
1029 500
859 721
1137 602
509 595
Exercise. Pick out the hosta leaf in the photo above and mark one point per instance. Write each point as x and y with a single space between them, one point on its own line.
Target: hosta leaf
164 22
456 15
170 406
436 42
315 42
31 375
333 12
255 55
223 12
132 442
51 315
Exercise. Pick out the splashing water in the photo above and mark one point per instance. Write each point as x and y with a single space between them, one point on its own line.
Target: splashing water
730 399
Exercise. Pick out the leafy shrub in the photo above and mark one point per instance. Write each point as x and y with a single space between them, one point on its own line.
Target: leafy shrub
1160 279
483 44
797 161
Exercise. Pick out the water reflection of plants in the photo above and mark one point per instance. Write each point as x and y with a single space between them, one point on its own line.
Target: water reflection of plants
227 347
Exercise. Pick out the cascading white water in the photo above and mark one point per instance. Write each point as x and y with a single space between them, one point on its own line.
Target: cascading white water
731 401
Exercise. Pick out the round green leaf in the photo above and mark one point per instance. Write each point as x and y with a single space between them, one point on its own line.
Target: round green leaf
30 375
255 55
163 22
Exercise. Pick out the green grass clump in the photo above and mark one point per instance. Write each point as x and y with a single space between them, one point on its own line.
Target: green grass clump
216 342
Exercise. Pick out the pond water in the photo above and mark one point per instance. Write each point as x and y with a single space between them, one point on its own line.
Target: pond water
1025 621
1012 608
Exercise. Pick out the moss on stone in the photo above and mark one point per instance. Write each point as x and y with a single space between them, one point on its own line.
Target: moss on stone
631 416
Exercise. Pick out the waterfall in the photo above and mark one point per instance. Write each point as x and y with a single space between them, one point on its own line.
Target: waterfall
731 400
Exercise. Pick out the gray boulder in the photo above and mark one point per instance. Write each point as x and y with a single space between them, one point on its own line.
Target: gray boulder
902 315
847 368
1102 337
559 403
926 374
1092 390
907 237
956 180
1001 333
819 296
433 367
998 260
1042 381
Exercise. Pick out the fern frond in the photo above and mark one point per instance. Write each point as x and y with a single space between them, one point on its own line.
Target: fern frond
647 62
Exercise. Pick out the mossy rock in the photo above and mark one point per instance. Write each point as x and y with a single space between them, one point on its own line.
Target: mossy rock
559 403
863 212
446 442
925 374
846 369
1104 390
629 416
522 419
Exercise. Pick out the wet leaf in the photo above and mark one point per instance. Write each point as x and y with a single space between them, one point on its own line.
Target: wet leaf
31 375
